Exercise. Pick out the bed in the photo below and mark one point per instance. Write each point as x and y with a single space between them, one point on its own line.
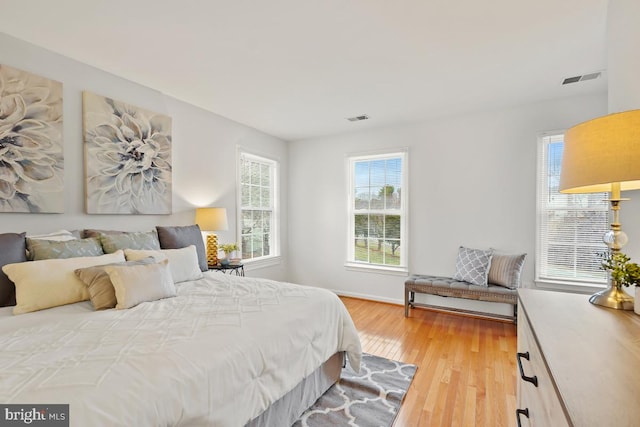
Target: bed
224 351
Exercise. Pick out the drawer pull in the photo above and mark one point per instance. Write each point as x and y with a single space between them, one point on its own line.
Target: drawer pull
519 412
534 379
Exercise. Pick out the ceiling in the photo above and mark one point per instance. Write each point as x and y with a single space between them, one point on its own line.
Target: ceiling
296 69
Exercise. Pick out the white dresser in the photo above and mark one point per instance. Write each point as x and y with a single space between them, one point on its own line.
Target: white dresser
579 364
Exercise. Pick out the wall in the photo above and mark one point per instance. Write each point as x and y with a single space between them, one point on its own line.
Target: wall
472 182
204 150
623 69
623 60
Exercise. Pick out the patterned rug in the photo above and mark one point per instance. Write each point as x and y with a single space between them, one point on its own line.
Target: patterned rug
371 398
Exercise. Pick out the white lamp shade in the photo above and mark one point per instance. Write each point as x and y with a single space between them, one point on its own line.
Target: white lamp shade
212 219
600 152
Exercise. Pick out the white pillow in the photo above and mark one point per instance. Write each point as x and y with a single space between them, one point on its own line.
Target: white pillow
135 284
183 263
58 236
52 282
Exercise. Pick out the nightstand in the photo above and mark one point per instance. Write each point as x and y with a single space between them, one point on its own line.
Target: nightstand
237 268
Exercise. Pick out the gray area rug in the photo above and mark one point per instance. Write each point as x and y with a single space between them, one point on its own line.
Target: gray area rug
371 398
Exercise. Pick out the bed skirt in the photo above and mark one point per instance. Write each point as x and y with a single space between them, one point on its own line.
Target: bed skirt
286 410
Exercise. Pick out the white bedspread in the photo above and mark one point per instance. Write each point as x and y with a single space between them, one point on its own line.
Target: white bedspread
218 354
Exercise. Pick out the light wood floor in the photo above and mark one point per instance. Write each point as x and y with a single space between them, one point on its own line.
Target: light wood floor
466 366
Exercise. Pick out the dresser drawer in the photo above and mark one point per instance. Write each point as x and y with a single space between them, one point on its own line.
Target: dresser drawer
540 399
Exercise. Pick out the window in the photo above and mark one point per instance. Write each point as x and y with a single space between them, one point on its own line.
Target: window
570 226
377 211
258 207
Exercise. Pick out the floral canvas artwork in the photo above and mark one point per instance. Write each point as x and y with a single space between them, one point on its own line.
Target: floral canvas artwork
31 147
128 158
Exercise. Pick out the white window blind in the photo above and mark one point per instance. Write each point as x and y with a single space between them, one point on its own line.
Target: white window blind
570 226
377 210
258 207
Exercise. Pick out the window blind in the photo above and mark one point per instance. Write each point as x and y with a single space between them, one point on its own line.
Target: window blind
570 226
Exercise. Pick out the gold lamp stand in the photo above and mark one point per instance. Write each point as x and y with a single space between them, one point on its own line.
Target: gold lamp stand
212 249
614 296
209 220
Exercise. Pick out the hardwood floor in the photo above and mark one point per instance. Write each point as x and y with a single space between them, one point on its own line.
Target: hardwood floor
466 366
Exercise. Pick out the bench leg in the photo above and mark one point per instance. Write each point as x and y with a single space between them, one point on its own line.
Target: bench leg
408 301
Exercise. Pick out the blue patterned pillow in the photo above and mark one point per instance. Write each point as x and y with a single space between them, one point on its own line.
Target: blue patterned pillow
147 240
49 249
472 266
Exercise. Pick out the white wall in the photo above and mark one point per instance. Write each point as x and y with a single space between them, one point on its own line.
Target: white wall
204 150
623 58
472 182
623 69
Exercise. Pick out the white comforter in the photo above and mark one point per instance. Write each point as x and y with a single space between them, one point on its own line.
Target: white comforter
218 354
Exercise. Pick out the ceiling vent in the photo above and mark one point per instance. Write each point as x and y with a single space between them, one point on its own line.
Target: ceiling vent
358 118
576 79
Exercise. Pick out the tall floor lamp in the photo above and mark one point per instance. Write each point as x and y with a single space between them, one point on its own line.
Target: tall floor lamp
603 155
211 220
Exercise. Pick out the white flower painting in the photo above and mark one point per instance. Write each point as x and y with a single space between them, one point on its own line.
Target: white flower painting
31 148
128 158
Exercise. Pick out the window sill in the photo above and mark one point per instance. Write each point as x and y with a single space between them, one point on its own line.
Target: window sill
578 288
367 268
251 264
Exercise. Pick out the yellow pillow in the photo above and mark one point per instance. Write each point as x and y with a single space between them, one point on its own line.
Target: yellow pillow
52 282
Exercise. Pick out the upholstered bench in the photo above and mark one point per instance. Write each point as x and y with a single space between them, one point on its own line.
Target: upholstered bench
448 287
481 274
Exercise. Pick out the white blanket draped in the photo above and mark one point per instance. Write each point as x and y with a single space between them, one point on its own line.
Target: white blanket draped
218 354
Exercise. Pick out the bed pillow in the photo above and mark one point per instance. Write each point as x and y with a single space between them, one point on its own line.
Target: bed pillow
60 236
183 263
52 282
181 237
12 250
506 270
135 284
130 240
101 291
472 265
92 232
46 249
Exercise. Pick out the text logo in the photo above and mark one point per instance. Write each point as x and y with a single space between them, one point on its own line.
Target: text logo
34 415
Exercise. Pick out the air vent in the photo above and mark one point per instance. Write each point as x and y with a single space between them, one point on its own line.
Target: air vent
358 118
590 76
576 79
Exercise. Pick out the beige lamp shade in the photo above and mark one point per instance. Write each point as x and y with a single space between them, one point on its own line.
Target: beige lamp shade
212 219
600 152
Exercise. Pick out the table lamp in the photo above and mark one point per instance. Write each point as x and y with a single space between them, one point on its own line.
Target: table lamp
211 220
603 155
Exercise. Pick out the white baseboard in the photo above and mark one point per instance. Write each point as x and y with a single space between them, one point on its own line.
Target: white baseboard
368 297
460 303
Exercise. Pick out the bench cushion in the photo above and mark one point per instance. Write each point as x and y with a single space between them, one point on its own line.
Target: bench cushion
448 287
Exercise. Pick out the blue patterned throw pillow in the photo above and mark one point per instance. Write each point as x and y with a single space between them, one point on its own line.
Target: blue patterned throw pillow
472 266
52 249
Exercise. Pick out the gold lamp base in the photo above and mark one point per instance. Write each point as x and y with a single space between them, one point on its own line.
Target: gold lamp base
212 249
612 297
